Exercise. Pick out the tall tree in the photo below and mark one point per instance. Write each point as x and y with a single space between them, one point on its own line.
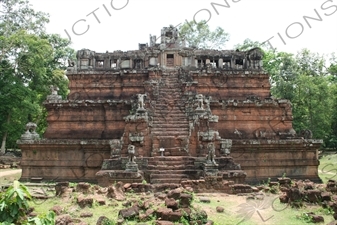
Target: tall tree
200 35
30 61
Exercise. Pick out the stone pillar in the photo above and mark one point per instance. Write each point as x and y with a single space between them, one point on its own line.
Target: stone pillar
118 64
208 61
131 63
191 59
233 63
220 63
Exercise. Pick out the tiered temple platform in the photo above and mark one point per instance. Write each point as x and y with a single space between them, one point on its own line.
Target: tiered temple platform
168 113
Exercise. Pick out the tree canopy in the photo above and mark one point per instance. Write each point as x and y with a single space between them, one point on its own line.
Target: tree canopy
200 35
308 80
30 61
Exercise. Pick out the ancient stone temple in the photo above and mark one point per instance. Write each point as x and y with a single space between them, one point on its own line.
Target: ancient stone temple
168 113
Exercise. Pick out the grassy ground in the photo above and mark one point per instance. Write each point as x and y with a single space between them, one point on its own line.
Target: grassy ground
238 210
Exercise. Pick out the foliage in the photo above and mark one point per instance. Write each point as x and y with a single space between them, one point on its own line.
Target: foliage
43 219
247 45
109 222
309 84
304 81
30 61
199 35
14 203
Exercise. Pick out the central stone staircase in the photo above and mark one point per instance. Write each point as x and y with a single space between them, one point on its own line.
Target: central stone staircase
172 169
170 124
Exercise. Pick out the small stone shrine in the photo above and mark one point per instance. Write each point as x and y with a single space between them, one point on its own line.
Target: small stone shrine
166 113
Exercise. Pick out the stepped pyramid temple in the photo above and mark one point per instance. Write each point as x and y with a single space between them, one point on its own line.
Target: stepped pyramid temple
167 113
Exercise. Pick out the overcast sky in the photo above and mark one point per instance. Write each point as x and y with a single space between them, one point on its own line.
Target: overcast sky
108 25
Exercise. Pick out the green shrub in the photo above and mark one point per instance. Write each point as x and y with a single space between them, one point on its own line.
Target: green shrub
14 207
14 204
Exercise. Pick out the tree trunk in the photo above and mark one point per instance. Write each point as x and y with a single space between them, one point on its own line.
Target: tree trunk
3 144
4 138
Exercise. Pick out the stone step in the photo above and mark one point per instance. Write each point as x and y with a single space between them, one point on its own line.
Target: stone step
177 110
175 119
168 176
189 170
171 158
163 137
172 168
175 106
171 162
170 108
166 167
168 129
162 134
171 126
158 122
170 181
171 113
172 89
168 117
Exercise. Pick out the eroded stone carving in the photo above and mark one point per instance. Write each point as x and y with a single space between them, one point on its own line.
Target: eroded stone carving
210 135
225 146
200 102
54 95
306 134
132 151
136 137
138 112
115 148
131 165
211 154
30 133
140 98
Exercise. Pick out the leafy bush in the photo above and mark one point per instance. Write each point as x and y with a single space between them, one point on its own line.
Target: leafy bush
14 204
14 207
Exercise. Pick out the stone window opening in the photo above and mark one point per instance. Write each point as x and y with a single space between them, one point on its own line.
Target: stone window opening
100 63
201 63
226 63
239 63
170 60
113 63
138 64
214 63
169 34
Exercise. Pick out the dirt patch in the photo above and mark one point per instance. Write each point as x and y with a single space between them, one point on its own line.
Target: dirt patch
7 176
